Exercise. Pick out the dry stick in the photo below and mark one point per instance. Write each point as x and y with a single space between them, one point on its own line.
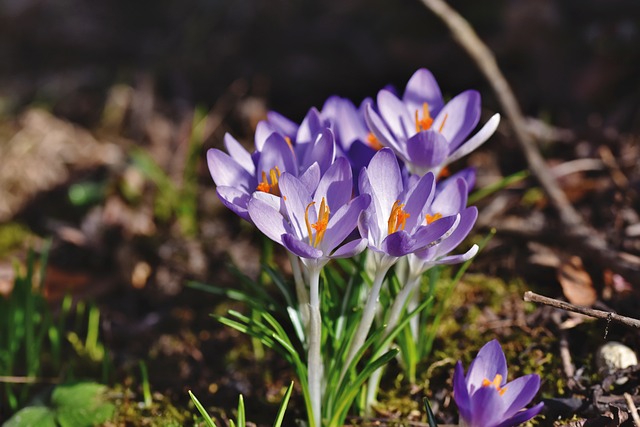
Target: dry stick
599 314
593 244
632 408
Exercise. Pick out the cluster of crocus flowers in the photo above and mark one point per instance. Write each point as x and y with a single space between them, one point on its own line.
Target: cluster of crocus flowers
350 179
486 399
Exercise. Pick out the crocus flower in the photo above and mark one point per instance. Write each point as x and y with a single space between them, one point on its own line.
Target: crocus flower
239 173
486 399
353 137
313 225
393 222
450 199
423 131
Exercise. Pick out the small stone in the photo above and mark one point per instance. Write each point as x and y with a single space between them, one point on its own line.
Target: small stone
614 356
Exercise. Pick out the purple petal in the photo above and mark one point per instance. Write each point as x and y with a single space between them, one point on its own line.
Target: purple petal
277 152
310 128
468 174
360 154
268 220
452 199
422 87
395 115
457 259
486 407
234 199
398 244
299 248
489 362
460 392
322 151
296 199
263 131
386 182
343 222
428 235
311 177
519 393
350 125
282 124
336 185
419 196
427 149
225 171
522 417
239 154
350 249
462 115
476 140
380 130
467 220
368 228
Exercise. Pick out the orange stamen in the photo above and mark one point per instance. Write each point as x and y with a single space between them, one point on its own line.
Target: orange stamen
443 122
426 121
430 218
444 172
397 218
320 226
374 142
289 143
270 187
495 383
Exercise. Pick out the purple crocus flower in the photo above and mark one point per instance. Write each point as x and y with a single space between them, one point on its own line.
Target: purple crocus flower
484 397
423 131
393 222
312 224
450 200
353 137
239 173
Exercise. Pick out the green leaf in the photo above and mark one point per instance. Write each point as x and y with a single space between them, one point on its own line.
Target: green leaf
33 416
430 417
203 412
283 406
492 188
81 404
71 405
241 415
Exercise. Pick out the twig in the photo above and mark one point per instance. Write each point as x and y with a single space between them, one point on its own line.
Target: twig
586 239
28 380
632 408
565 356
599 314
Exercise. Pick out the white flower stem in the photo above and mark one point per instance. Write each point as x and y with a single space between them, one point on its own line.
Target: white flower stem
314 356
301 289
394 315
368 314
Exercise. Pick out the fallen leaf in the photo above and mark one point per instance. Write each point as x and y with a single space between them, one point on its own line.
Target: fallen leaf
576 283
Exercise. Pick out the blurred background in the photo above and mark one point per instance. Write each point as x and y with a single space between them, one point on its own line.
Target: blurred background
565 59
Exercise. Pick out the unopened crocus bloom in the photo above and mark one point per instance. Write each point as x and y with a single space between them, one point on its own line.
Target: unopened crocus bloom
486 399
422 130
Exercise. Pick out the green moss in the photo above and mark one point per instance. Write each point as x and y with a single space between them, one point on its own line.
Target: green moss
13 236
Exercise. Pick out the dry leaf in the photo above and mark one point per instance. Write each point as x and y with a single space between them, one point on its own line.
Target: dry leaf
576 283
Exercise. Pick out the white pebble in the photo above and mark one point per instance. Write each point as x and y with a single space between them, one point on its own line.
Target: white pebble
613 356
